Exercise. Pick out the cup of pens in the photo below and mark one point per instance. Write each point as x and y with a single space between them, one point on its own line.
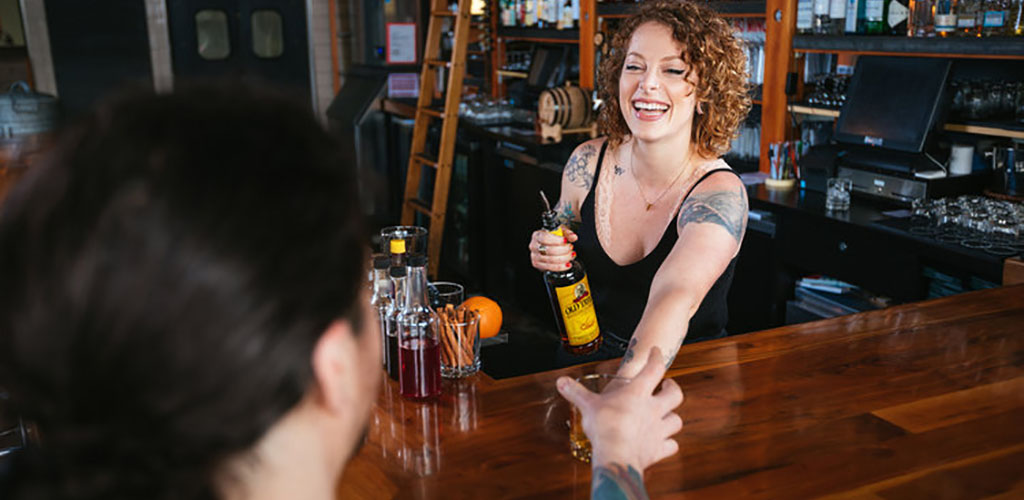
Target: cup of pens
783 170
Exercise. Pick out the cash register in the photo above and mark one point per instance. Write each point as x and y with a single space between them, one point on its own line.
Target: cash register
884 132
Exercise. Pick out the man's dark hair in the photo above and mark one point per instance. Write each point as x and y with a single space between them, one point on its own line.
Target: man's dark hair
165 275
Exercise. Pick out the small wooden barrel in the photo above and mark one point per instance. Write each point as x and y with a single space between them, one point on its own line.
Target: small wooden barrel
567 106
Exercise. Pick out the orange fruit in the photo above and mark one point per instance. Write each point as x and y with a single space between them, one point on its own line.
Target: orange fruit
490 314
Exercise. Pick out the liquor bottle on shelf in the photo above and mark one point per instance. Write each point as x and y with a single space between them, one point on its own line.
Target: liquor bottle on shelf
1015 26
837 17
571 300
530 19
994 17
821 22
968 14
945 18
896 14
565 16
874 17
419 348
855 17
804 16
382 299
399 279
921 22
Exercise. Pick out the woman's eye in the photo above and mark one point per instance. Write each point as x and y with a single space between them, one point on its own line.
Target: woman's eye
632 67
679 72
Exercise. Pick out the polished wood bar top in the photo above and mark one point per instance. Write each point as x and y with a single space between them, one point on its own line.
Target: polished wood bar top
923 400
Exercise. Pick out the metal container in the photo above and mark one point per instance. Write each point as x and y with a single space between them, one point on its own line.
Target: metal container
1007 170
25 113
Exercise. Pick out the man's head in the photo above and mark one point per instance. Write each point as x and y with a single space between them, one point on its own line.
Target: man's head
181 273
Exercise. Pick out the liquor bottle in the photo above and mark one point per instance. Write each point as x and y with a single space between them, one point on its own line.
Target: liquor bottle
945 18
854 17
399 279
381 300
994 17
874 17
896 14
1016 24
837 17
571 300
804 16
419 348
565 16
968 14
921 23
821 21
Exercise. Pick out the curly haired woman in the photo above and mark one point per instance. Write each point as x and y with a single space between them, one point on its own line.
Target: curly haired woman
674 88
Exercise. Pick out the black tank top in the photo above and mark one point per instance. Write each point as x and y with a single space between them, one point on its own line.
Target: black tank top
620 292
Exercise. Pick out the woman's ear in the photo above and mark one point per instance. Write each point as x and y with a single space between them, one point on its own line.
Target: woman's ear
333 362
700 108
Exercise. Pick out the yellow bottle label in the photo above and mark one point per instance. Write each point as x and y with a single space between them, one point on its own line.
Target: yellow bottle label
557 232
577 306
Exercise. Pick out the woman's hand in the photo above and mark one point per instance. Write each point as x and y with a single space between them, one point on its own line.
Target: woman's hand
552 253
630 425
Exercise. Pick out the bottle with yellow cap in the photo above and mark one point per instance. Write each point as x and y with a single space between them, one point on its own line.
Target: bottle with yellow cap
397 250
573 305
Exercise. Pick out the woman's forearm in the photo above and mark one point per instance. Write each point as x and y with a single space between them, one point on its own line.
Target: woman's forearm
664 324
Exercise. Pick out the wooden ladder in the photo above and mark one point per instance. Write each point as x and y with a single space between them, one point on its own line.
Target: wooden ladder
449 116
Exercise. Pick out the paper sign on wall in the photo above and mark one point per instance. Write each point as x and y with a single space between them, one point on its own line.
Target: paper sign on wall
401 43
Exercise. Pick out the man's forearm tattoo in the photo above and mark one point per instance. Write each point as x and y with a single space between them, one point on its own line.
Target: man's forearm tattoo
576 169
727 208
565 216
672 357
626 358
618 482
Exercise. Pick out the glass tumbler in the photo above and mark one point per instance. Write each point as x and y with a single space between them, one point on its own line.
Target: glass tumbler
579 444
838 194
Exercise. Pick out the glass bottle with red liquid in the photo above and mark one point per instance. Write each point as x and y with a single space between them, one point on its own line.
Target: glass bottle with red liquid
419 353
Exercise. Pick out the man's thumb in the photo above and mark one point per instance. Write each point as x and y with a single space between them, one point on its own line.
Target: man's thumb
574 392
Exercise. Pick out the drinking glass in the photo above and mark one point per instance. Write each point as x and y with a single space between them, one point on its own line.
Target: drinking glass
415 239
460 341
838 194
443 293
579 444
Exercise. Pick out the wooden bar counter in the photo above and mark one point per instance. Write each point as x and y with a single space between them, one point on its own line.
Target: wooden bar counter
923 400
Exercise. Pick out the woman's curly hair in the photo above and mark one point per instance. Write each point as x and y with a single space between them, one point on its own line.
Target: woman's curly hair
709 48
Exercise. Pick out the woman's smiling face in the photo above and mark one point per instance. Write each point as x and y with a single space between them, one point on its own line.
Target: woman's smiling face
656 95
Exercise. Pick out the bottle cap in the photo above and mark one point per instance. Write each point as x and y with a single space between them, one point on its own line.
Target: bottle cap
397 272
397 246
381 262
418 261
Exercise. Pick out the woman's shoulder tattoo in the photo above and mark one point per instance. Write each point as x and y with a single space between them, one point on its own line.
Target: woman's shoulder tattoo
725 207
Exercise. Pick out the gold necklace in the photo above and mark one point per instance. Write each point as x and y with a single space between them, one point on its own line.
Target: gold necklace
632 171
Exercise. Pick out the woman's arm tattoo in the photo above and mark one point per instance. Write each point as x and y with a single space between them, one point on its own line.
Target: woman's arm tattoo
617 481
576 169
565 215
727 208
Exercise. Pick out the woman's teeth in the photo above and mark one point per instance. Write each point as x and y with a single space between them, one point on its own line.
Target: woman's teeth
650 106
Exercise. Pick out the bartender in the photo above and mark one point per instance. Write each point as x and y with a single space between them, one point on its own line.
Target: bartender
655 213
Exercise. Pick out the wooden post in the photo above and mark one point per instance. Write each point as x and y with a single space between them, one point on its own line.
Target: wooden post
781 26
588 26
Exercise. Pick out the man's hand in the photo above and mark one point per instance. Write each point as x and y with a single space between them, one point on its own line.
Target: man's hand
630 425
